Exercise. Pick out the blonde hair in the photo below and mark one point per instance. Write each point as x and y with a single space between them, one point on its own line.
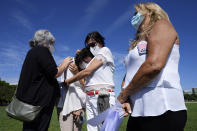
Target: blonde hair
156 13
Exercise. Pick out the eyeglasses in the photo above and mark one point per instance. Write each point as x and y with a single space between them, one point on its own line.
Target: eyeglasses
92 44
135 13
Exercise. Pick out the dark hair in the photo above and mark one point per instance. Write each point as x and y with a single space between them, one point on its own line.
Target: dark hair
79 57
96 36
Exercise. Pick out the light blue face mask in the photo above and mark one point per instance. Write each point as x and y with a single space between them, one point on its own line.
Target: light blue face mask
136 20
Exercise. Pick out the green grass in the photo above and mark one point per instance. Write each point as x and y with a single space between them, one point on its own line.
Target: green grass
191 124
9 124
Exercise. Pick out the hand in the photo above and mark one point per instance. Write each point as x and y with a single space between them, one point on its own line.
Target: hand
127 108
77 114
66 83
73 68
122 98
67 61
77 51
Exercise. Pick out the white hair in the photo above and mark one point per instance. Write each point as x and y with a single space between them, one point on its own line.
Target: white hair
42 38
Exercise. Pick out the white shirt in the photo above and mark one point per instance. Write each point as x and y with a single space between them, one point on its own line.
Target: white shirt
163 93
104 74
75 98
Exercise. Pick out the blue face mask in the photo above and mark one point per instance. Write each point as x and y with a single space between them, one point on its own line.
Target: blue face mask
136 20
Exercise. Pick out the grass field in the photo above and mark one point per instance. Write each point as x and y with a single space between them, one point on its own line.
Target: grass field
9 124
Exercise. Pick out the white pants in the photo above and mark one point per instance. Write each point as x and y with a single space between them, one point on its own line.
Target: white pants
91 109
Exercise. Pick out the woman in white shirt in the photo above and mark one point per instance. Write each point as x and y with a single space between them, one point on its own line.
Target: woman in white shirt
152 82
71 104
98 74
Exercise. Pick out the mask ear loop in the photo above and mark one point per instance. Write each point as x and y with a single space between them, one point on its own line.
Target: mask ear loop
133 10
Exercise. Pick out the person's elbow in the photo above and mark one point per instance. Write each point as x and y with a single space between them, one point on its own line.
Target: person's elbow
57 74
155 66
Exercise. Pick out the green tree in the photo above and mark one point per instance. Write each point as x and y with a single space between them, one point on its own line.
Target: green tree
6 92
190 97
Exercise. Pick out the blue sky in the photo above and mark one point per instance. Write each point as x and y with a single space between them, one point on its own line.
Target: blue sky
71 20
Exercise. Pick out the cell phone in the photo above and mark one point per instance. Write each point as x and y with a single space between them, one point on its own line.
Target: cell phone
81 118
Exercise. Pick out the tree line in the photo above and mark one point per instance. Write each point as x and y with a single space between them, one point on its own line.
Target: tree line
7 91
190 97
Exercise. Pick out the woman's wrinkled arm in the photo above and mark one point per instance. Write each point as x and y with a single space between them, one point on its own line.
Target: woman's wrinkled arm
160 42
62 67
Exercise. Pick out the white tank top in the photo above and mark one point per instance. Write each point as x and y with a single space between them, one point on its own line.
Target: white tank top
163 93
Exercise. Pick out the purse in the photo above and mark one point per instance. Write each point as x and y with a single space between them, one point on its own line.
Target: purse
103 100
22 111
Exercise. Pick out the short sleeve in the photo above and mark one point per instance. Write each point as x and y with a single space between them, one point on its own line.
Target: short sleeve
46 61
106 53
101 57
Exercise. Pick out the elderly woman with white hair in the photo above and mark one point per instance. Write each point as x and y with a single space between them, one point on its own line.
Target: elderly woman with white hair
37 84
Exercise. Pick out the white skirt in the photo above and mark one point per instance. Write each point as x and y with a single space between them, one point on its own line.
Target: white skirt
75 99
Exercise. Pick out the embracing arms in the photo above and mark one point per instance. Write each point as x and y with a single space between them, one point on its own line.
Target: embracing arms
94 65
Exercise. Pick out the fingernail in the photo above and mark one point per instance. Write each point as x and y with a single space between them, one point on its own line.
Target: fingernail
130 111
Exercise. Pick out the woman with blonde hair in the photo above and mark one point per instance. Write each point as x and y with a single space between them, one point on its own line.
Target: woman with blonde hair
152 82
